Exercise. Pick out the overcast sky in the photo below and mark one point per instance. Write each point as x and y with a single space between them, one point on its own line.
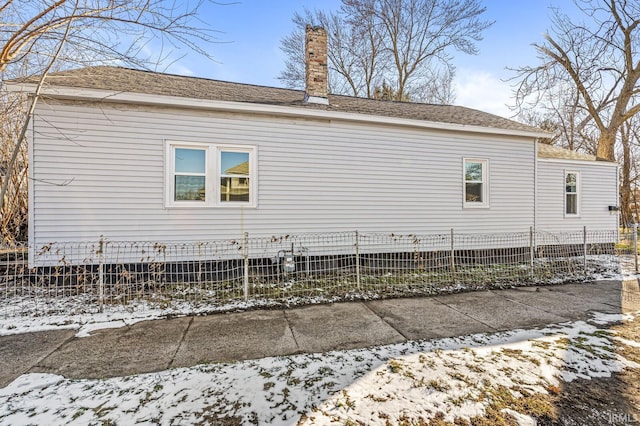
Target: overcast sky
251 30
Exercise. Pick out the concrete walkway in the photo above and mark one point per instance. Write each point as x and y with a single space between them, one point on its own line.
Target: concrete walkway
186 341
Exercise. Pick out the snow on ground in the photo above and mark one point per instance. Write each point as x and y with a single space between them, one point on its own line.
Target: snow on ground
453 376
417 379
18 315
22 314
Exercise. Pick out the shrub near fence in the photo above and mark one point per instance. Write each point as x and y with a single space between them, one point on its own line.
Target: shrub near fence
289 269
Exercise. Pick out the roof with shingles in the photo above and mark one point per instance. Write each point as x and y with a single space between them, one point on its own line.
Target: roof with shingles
556 152
240 169
152 83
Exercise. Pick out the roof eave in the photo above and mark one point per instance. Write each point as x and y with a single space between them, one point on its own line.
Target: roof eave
66 92
578 161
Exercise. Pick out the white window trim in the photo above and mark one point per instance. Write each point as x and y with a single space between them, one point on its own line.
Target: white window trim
212 175
578 197
485 184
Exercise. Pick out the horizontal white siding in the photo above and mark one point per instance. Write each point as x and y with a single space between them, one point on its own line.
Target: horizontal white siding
597 192
313 176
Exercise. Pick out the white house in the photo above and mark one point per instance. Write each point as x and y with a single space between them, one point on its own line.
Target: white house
138 156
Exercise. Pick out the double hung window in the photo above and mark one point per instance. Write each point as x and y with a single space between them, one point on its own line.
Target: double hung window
476 184
189 174
571 194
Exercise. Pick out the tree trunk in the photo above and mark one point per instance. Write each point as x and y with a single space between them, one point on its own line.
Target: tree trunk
606 145
626 217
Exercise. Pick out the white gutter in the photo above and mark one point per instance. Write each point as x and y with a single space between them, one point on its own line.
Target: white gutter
246 107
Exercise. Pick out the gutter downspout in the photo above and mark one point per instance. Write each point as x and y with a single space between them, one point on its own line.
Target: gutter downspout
31 195
535 184
618 203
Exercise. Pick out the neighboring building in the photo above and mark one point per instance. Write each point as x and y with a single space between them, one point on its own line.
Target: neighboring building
150 156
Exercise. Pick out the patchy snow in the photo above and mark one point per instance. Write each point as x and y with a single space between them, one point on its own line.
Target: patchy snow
23 314
521 419
600 318
451 377
79 313
87 329
85 322
627 267
627 342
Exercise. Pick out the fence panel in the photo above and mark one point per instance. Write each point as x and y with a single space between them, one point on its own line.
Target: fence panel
290 269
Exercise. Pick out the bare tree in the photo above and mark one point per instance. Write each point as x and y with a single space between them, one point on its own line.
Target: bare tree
353 54
386 93
406 44
628 153
13 214
37 36
598 58
558 111
111 31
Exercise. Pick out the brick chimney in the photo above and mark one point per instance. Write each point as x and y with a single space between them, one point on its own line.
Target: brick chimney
316 65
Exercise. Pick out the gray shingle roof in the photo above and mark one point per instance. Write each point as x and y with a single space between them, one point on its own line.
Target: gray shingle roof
556 152
146 82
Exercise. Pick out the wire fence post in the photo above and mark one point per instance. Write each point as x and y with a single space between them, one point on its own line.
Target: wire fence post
199 265
453 260
101 248
245 255
531 251
584 250
357 260
635 245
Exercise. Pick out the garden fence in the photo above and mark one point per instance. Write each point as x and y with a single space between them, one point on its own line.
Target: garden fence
309 268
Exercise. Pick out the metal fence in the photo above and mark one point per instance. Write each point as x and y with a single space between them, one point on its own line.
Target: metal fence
291 269
628 244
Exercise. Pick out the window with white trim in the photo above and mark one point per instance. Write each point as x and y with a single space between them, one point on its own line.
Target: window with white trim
209 175
475 192
571 193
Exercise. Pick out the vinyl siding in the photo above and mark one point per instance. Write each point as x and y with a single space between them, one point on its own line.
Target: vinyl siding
99 170
597 191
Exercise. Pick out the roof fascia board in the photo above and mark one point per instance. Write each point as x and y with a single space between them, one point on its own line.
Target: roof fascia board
175 101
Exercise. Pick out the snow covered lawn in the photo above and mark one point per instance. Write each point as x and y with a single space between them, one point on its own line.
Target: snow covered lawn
512 375
503 374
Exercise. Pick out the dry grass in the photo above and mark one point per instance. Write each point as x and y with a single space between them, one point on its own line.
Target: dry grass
608 400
